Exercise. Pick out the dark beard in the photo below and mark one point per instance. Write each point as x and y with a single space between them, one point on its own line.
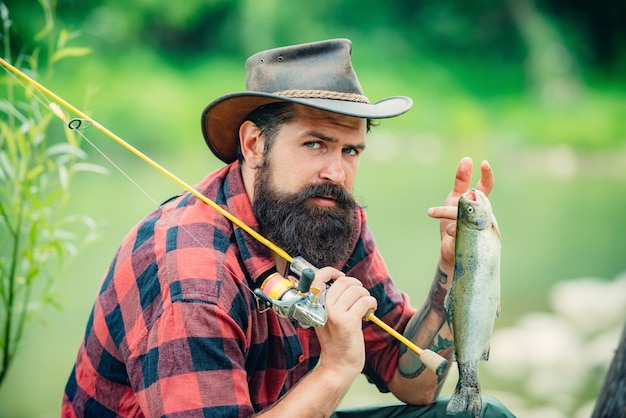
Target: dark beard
322 235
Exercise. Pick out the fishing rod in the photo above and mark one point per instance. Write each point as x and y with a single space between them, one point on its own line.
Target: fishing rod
295 301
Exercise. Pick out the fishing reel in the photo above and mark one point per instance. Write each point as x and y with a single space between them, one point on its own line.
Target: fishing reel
293 299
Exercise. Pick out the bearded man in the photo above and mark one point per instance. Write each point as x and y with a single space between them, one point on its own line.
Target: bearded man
177 328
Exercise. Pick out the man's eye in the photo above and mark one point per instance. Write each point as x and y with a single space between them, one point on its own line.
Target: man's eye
312 145
351 151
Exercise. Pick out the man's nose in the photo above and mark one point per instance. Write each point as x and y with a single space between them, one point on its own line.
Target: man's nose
334 171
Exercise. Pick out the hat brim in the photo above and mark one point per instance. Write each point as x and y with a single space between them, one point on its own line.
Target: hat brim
222 118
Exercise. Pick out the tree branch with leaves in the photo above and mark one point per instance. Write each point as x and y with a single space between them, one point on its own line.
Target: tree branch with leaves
37 165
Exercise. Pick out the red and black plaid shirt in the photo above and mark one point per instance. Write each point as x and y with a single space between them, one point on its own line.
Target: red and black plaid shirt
175 329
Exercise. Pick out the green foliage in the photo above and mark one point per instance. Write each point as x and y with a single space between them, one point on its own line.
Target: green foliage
36 169
484 29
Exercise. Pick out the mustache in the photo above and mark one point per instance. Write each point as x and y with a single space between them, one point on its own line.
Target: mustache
340 194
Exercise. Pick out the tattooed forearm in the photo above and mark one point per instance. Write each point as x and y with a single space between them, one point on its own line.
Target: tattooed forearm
426 328
438 292
410 366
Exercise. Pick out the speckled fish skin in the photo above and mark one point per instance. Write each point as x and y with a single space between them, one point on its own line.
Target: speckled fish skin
473 301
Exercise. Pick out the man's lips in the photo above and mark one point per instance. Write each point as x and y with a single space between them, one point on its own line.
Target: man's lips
324 200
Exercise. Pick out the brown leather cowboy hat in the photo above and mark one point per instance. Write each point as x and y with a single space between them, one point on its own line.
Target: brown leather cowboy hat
317 74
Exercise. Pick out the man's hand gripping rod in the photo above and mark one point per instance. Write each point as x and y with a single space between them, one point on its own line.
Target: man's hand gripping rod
300 302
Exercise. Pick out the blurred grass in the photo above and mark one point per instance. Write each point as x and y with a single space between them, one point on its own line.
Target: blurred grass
559 194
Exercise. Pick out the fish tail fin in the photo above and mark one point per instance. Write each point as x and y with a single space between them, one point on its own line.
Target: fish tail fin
466 396
465 399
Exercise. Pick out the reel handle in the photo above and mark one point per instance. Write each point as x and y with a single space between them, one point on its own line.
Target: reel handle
306 279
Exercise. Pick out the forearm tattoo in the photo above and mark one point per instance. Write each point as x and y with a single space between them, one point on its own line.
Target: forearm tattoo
438 293
427 323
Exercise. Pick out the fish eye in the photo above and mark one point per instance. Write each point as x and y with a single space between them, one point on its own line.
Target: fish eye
470 209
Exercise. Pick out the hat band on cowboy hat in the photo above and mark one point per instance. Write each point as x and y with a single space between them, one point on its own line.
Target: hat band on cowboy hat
317 74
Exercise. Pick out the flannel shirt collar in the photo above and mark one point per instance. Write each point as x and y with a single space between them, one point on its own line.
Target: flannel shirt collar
257 258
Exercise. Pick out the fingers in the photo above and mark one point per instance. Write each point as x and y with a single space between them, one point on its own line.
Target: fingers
462 180
443 212
451 229
487 180
347 294
326 275
464 176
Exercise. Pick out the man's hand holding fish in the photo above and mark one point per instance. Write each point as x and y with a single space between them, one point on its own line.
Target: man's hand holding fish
448 212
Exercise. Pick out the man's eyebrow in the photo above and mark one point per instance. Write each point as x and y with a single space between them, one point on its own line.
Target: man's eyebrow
321 136
327 138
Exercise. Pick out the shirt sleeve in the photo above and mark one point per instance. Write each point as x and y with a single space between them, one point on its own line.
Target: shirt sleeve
191 361
186 326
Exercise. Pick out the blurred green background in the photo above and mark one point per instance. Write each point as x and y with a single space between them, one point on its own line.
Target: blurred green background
535 87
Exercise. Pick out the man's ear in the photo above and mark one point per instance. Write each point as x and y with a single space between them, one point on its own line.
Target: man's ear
251 142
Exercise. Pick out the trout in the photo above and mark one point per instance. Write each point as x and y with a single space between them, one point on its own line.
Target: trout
473 301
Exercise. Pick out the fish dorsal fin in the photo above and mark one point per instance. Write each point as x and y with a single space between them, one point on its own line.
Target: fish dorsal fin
485 354
494 225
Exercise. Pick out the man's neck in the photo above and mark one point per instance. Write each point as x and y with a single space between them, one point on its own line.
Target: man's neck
248 175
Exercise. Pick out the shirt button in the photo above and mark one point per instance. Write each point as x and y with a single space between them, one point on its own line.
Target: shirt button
301 358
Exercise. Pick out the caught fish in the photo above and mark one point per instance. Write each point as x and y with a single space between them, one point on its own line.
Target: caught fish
473 301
